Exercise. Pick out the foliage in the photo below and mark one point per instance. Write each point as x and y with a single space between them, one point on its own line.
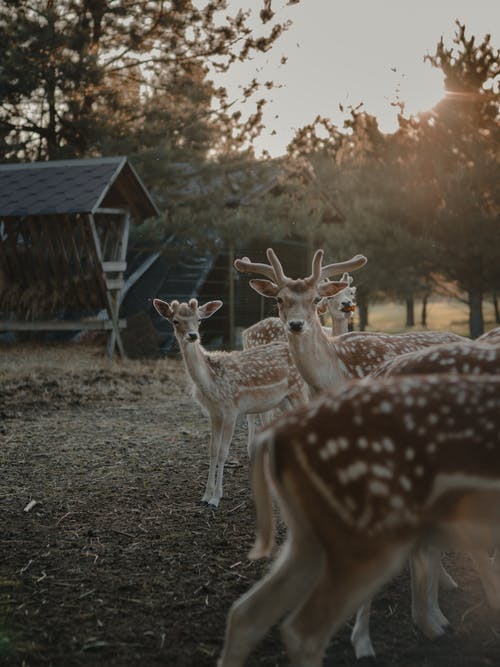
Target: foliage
239 199
79 77
458 152
422 203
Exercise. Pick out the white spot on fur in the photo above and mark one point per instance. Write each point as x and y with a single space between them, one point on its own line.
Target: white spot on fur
388 444
405 483
378 488
329 450
381 471
409 422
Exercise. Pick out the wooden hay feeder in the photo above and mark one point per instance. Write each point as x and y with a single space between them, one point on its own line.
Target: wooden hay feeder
64 229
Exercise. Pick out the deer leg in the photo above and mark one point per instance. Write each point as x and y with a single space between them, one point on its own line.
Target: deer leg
251 434
360 635
489 576
336 596
436 574
426 614
226 435
216 428
250 617
445 579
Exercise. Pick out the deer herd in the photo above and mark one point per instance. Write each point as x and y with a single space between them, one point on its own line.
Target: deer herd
377 449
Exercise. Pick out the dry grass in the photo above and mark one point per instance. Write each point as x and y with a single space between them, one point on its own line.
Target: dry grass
442 315
118 563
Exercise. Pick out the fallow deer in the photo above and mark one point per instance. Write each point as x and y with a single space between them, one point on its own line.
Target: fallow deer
492 336
228 384
326 362
454 358
364 477
341 307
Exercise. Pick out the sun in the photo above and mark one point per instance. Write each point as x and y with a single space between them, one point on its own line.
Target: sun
418 91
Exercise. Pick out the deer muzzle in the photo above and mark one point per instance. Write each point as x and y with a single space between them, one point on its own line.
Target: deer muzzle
296 326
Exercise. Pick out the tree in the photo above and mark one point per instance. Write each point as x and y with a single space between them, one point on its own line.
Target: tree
422 203
78 75
368 172
458 164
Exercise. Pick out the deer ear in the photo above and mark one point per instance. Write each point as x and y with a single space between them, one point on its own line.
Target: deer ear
346 278
163 308
331 288
264 287
209 309
322 307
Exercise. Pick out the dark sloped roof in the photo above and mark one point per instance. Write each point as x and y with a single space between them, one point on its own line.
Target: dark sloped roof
73 186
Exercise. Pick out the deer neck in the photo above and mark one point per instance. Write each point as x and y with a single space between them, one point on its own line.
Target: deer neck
196 361
340 325
316 358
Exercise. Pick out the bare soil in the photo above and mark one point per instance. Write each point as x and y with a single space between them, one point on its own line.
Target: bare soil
118 563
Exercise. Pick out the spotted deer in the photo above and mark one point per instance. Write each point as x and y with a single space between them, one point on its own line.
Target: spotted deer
326 362
454 358
228 384
341 307
492 336
364 477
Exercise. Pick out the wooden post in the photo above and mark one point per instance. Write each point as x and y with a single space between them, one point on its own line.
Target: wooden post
112 285
120 252
232 341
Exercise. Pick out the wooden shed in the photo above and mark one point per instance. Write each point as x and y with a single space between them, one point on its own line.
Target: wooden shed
64 229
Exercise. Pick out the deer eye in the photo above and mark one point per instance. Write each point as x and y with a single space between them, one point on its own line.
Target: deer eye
175 322
317 300
279 300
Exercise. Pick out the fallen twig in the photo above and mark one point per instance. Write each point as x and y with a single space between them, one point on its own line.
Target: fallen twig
30 505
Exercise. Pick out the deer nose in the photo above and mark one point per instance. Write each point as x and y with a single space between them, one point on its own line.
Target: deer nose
192 335
296 325
346 304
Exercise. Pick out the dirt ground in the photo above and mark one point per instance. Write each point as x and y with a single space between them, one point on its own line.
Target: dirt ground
118 563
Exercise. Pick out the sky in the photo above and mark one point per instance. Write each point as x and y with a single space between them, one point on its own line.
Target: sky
351 51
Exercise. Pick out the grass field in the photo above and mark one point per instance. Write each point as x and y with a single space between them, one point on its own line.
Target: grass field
442 314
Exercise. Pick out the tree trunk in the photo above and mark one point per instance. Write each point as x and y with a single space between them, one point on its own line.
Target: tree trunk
410 312
496 307
363 316
423 313
476 321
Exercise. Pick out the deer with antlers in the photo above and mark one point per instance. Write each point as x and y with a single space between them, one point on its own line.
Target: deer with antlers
326 362
227 384
341 307
364 477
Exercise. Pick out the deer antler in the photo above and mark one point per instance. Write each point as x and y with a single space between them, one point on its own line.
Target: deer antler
349 265
244 265
274 271
279 274
316 274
